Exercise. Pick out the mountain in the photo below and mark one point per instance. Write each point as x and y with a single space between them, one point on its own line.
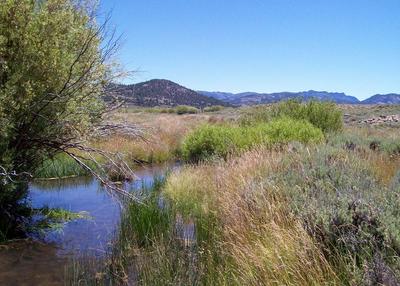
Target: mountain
160 92
251 98
391 98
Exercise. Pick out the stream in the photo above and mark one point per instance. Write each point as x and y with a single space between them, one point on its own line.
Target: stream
42 259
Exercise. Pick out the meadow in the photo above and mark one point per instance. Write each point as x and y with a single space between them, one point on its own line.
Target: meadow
284 194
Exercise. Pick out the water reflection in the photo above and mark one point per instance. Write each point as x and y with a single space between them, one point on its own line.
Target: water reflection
42 262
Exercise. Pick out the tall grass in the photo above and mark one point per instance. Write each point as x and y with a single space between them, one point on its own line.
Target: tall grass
160 143
60 166
245 233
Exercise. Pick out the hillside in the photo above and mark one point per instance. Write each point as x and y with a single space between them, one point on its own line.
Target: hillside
251 98
391 98
161 92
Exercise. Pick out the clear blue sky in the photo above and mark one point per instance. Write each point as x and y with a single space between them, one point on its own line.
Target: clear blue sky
350 46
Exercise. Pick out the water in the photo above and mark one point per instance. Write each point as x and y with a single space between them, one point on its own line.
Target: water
42 259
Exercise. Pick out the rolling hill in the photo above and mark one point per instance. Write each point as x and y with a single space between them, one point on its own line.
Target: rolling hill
160 92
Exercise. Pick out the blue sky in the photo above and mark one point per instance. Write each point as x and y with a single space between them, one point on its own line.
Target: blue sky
350 46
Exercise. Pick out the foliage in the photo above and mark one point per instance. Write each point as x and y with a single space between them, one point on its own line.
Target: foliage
222 140
185 109
324 115
52 74
146 222
60 166
347 210
213 108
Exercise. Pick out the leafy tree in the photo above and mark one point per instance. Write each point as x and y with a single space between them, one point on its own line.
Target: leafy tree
55 61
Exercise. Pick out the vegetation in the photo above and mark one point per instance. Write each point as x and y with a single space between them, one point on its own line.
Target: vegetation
52 73
61 166
318 211
161 92
54 218
213 108
283 194
223 140
324 115
185 109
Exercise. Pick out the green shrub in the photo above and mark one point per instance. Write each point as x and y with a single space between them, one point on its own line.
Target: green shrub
255 115
222 140
208 141
185 109
286 130
213 108
324 115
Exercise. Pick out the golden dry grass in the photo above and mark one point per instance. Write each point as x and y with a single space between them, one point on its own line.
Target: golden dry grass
163 134
260 241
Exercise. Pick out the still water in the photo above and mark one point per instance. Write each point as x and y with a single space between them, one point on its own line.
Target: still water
42 259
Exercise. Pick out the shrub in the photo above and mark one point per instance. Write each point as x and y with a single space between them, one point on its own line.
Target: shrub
222 140
208 141
213 108
353 217
286 130
255 115
324 115
185 109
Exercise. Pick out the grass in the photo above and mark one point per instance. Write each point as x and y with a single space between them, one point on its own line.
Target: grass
61 166
324 213
53 218
161 141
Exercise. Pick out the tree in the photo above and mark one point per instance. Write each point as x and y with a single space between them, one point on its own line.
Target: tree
55 61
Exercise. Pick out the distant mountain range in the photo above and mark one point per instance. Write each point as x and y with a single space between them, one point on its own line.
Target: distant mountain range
250 98
391 98
161 92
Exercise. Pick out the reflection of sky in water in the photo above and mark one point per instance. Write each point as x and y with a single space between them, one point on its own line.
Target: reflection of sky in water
86 195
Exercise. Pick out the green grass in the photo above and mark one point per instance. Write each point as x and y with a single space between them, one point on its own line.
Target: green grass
60 166
54 218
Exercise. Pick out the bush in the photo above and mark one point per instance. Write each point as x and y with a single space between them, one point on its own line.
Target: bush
324 115
255 115
222 140
286 130
213 108
208 141
185 109
352 217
